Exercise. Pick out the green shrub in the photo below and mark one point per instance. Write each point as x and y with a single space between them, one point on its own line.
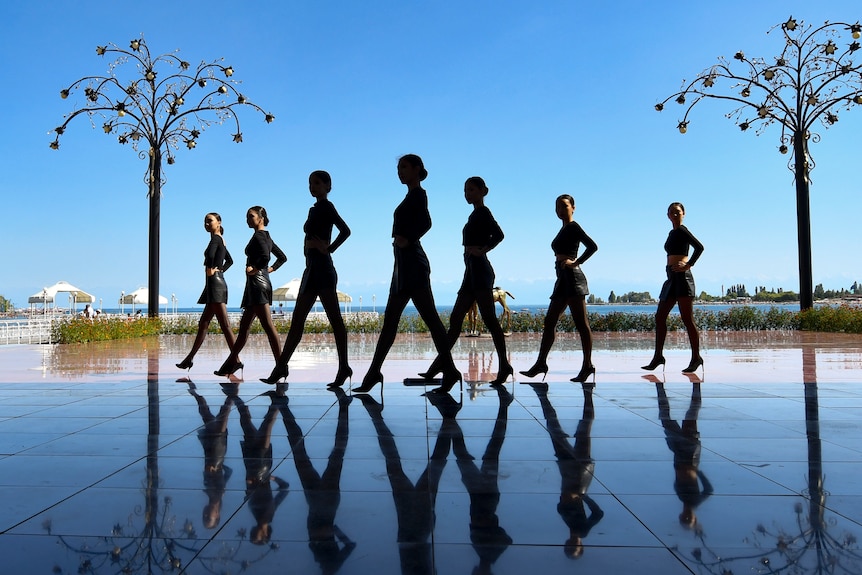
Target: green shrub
80 330
843 318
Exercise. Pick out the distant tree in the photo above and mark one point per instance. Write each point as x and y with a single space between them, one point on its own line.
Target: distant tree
812 78
6 305
612 298
819 292
163 105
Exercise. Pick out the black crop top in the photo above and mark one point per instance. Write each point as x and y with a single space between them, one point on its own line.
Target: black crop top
411 218
678 242
321 217
216 254
568 241
258 250
482 229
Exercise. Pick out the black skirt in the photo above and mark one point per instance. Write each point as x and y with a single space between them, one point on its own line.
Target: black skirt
478 275
678 284
215 290
319 275
258 290
412 271
571 282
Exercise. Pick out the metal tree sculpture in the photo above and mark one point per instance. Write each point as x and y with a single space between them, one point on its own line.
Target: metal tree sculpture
811 80
162 113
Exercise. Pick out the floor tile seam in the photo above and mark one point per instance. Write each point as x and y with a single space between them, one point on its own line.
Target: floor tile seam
74 494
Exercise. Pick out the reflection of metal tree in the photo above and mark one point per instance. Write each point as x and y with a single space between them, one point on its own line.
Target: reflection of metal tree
160 543
153 110
810 548
809 81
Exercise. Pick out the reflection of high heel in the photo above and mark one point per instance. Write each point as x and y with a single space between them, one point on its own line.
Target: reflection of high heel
229 369
371 379
341 376
278 373
584 374
539 367
503 375
185 364
657 360
448 382
695 363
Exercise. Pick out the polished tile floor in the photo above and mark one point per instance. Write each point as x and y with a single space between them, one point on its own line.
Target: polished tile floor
110 461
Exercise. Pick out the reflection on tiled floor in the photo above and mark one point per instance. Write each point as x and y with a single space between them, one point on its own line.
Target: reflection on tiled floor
105 454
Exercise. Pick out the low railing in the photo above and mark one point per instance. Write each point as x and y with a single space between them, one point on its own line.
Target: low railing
18 331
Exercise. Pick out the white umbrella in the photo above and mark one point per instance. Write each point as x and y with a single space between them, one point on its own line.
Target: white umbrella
49 294
290 290
140 297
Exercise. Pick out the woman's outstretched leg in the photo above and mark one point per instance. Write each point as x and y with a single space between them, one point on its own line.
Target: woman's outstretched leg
294 335
232 363
485 303
203 325
224 323
686 312
552 317
265 317
463 303
424 302
329 299
578 307
663 310
391 316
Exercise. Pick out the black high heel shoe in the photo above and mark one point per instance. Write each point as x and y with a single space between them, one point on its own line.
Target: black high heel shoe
229 369
695 363
503 376
657 360
185 364
278 373
341 376
371 379
448 382
584 374
539 367
432 372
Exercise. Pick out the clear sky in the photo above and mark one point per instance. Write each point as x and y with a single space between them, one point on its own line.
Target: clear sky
538 97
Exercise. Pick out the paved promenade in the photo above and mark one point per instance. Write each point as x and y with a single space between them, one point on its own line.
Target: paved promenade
109 461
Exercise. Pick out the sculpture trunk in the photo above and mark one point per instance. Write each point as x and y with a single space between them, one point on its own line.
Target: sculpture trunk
803 221
155 223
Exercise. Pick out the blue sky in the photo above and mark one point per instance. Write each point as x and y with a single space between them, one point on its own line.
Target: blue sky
539 98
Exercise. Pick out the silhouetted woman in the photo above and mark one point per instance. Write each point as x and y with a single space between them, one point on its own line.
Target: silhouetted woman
318 279
411 278
577 467
678 289
213 438
570 290
481 234
257 297
217 260
256 448
690 484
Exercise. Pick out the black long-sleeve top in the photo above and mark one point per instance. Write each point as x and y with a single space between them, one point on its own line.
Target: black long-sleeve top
678 242
322 216
216 254
569 239
411 218
482 229
258 250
